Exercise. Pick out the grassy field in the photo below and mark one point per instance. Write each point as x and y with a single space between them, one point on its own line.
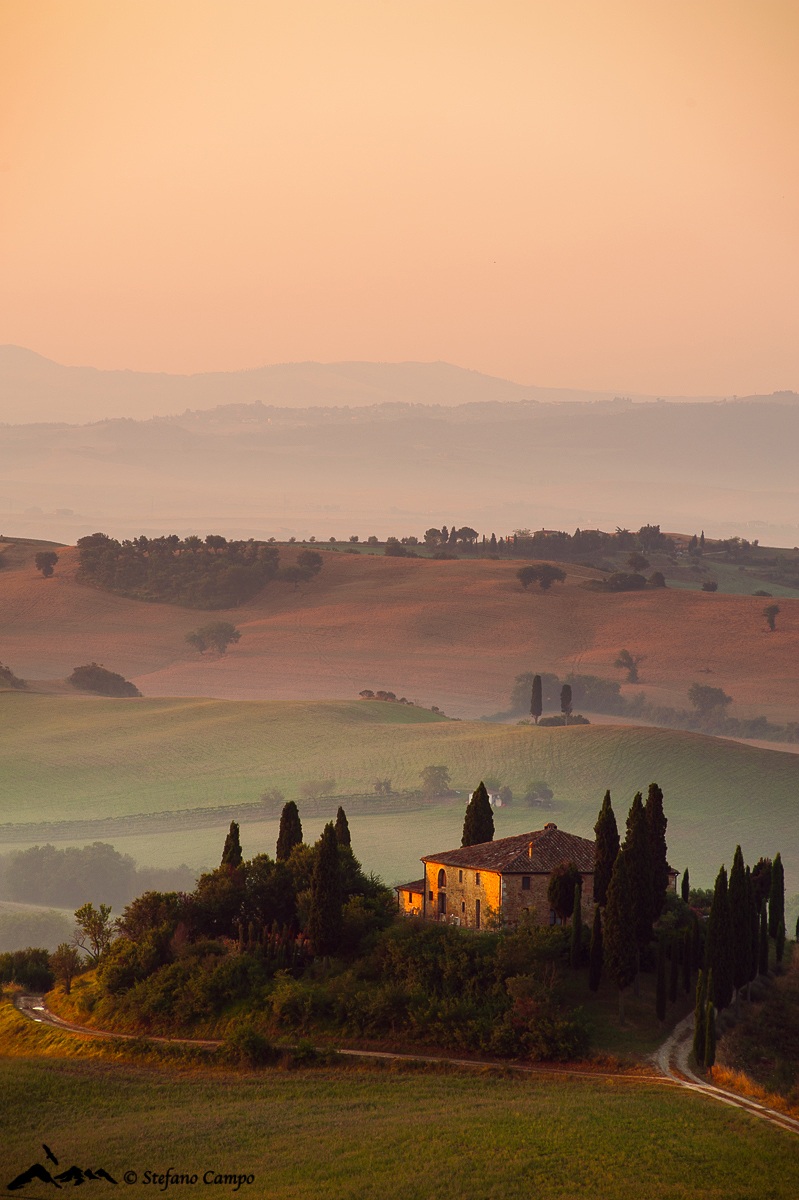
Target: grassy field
335 1134
81 757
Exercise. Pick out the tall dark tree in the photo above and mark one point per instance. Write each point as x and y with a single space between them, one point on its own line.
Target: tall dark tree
638 846
754 931
536 699
762 955
290 831
231 852
741 926
687 960
478 822
660 985
620 945
700 1019
719 950
674 967
779 942
46 560
596 955
657 823
566 702
776 897
710 1035
343 836
685 886
761 880
324 917
576 946
607 847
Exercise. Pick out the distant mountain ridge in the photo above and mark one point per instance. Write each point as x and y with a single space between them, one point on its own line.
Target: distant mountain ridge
36 389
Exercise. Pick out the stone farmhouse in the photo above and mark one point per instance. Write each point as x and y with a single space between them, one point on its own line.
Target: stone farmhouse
498 880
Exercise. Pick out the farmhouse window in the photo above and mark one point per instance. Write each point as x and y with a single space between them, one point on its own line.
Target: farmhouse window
525 883
477 878
463 906
460 876
410 897
429 895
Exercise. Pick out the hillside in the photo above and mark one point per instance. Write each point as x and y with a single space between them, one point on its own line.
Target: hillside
65 758
453 634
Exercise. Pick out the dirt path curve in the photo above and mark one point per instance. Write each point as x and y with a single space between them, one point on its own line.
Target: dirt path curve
35 1009
672 1061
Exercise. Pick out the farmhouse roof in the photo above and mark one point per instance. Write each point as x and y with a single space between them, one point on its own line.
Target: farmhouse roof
417 886
523 854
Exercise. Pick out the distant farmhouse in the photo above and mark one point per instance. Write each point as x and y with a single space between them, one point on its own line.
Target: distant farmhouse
500 879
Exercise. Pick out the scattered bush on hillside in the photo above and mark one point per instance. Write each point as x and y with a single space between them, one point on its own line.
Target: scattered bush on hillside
555 720
710 585
94 678
435 781
544 575
215 573
217 635
619 581
45 562
539 794
9 679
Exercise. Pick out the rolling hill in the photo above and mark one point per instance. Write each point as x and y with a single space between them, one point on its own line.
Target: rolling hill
64 758
452 634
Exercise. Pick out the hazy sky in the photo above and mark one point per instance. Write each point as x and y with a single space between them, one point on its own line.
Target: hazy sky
593 194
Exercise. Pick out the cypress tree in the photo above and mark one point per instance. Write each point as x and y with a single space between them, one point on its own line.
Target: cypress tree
754 930
607 847
596 954
536 699
657 823
576 947
687 960
290 832
660 988
699 1019
719 947
324 917
697 946
779 944
566 702
674 974
685 886
478 823
342 828
620 946
710 1036
762 957
796 931
638 847
776 897
741 928
231 852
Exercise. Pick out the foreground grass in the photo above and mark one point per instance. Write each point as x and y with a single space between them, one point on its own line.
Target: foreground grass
79 757
335 1134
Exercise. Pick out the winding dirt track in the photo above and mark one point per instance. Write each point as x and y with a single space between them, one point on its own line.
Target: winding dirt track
670 1061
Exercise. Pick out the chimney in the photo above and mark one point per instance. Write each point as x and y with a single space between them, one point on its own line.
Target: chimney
550 825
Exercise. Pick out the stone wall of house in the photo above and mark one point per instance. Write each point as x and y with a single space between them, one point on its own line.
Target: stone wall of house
409 903
463 888
516 898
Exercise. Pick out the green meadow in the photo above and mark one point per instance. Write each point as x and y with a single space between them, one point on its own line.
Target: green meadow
336 1134
65 758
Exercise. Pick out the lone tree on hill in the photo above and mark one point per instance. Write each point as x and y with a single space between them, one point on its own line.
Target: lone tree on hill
65 963
478 822
46 560
629 662
708 701
217 635
536 699
290 831
544 575
770 612
324 917
435 781
231 852
94 930
607 847
343 836
562 888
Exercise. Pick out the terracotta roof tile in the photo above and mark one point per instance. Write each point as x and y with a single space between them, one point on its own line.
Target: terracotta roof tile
533 853
417 886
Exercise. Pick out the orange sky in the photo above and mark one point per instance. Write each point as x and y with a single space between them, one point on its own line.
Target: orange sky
597 194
